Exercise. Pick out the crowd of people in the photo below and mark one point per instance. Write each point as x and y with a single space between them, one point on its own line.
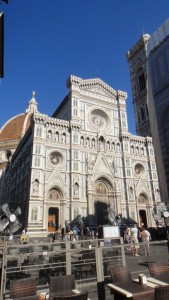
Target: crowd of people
134 235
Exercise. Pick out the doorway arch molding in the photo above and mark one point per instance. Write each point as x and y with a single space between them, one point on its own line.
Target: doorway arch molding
102 192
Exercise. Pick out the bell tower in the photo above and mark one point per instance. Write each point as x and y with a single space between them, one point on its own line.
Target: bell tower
137 59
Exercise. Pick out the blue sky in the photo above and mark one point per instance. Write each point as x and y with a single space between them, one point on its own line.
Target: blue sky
46 41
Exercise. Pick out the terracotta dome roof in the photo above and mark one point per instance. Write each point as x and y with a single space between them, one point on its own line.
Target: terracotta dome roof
15 128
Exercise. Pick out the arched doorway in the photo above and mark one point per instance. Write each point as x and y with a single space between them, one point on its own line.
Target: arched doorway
53 219
102 201
142 218
142 200
54 198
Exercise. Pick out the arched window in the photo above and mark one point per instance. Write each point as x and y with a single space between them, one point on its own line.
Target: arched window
82 140
142 151
142 82
57 136
132 149
87 142
108 145
49 135
137 150
76 189
113 146
93 143
64 137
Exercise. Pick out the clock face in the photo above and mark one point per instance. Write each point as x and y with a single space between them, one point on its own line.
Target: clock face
55 158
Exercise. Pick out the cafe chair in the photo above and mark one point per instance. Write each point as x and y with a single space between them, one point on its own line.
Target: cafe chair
120 273
158 268
162 292
81 296
23 289
61 283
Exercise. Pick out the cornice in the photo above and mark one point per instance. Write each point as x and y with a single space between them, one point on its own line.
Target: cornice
93 82
137 47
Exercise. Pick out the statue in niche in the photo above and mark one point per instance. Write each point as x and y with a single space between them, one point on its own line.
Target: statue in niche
76 190
64 138
130 193
36 187
157 195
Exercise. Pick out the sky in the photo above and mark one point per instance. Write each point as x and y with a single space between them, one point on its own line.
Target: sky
46 41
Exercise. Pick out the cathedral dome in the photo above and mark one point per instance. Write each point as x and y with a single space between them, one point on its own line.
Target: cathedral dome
15 128
13 131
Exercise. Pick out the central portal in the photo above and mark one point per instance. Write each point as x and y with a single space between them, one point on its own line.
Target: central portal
103 190
53 218
101 213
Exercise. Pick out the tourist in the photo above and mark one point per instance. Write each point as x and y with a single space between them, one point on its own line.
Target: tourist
145 238
134 240
127 238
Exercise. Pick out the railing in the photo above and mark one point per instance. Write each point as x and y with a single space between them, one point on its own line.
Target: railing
88 260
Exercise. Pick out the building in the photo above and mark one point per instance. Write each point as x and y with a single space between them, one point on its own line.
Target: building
81 161
137 59
158 102
148 62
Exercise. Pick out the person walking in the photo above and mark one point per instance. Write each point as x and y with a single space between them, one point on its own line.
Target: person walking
134 240
127 238
145 238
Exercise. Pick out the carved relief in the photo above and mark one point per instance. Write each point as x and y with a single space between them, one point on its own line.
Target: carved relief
55 158
141 199
54 195
139 169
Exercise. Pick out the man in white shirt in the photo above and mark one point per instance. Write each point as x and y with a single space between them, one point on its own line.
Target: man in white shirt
134 240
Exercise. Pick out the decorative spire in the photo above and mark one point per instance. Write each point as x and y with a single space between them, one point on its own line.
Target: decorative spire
33 105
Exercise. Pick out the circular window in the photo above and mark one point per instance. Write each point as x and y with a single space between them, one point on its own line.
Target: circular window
99 119
139 169
55 158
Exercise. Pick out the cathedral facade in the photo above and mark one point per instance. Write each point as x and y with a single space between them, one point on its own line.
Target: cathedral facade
81 161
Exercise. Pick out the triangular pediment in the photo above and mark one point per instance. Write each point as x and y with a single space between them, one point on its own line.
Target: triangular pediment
102 166
97 86
55 178
141 187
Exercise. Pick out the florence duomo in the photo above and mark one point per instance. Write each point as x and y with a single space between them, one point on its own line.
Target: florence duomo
82 160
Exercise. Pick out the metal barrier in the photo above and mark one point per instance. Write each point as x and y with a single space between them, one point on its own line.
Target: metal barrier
88 260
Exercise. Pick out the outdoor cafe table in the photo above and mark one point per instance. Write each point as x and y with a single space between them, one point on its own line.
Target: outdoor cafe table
63 293
132 290
162 279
